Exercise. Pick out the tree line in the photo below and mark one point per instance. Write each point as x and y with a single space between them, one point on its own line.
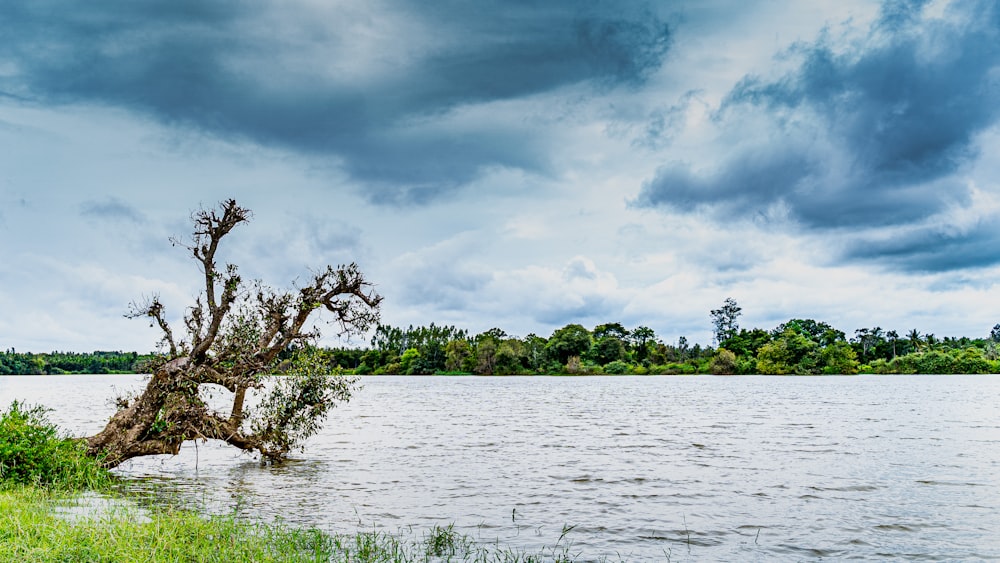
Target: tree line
808 347
609 348
798 346
59 363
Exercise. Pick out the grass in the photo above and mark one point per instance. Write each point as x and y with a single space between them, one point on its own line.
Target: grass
32 528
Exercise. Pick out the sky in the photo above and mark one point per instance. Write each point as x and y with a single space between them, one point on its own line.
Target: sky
519 164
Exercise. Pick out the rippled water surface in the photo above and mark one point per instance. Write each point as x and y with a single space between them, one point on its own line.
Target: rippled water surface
641 468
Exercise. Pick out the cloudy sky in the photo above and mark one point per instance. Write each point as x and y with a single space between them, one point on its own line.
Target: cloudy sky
515 164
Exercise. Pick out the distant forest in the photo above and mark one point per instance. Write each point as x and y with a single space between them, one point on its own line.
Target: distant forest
55 363
799 346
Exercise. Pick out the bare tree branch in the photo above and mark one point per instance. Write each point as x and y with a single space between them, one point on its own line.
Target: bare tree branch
154 309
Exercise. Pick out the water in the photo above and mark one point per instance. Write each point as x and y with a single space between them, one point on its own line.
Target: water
641 468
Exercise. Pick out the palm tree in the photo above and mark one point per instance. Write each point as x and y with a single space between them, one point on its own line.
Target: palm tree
893 336
931 340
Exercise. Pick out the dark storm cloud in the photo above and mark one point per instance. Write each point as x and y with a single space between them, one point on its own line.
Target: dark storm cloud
749 181
934 250
906 108
864 136
266 72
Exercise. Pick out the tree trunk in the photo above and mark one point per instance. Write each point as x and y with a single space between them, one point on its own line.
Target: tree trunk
130 432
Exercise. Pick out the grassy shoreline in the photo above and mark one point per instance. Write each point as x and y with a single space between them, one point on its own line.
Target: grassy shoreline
58 504
35 526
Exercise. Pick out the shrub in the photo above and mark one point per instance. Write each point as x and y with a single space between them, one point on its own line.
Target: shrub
971 360
724 362
33 453
617 367
746 365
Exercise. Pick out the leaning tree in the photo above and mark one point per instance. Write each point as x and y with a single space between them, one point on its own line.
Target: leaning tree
237 335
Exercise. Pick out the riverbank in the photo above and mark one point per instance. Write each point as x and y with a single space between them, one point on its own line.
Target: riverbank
42 526
37 525
57 504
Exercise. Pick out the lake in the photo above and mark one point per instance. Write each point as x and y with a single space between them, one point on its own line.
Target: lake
642 468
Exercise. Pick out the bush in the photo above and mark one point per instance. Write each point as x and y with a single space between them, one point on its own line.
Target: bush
971 360
746 365
724 363
33 453
617 367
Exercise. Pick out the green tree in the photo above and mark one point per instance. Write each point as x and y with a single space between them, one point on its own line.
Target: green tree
893 337
457 354
789 352
971 360
724 320
746 343
819 332
486 356
640 342
608 349
509 357
617 367
570 340
410 361
615 330
839 358
868 341
534 352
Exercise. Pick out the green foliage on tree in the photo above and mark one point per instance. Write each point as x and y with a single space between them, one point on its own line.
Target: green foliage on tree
724 320
640 342
457 354
570 340
608 349
409 362
838 358
939 361
789 352
745 345
298 402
